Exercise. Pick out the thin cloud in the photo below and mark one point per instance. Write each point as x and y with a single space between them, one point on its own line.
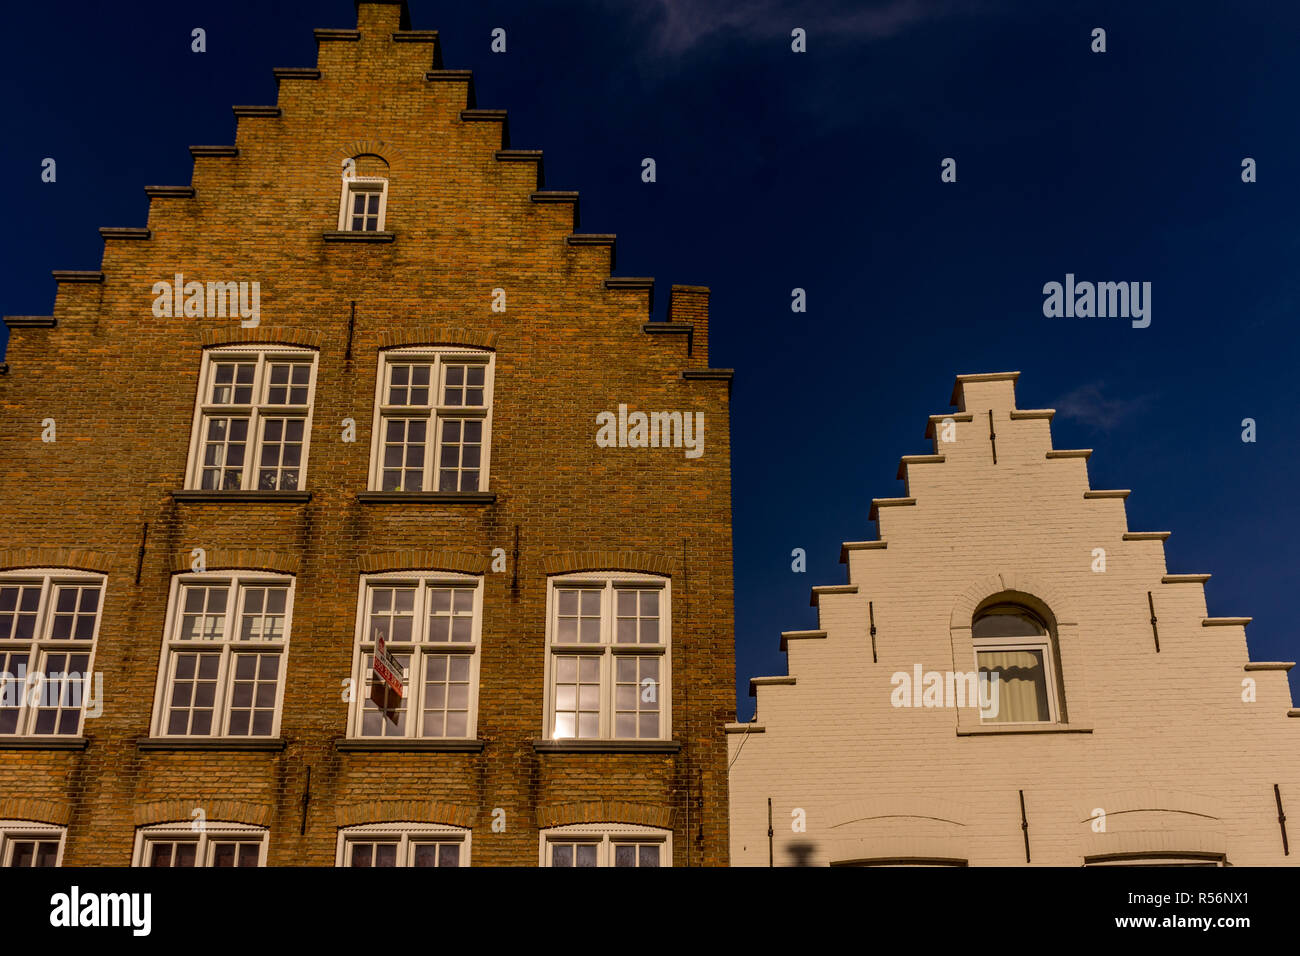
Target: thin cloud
678 25
1089 405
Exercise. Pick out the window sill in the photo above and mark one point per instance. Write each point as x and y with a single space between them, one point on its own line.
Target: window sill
573 746
345 235
976 730
226 497
261 744
44 742
420 745
426 497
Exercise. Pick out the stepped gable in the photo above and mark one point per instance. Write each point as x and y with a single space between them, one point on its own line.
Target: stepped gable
248 190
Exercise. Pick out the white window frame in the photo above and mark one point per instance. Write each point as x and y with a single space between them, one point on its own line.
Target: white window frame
204 835
23 831
605 835
255 411
608 650
434 413
355 184
236 581
408 834
1044 643
42 644
413 676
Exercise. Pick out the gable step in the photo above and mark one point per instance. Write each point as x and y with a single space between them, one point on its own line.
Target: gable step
295 73
1120 493
633 284
124 232
940 419
1184 579
819 589
524 156
489 116
1146 535
848 546
30 321
787 636
756 682
1022 414
1269 665
197 151
1226 621
77 275
256 111
344 35
1084 453
678 328
878 503
907 460
169 192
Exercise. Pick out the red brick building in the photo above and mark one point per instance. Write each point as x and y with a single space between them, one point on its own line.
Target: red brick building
363 379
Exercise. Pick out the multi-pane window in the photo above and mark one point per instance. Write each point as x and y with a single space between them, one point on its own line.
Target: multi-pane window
364 204
404 844
23 843
610 844
430 624
253 420
223 660
1013 651
607 672
212 844
432 420
48 623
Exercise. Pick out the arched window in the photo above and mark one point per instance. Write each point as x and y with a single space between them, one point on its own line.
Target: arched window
1013 651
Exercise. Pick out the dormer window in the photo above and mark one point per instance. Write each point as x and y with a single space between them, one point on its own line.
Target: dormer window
364 203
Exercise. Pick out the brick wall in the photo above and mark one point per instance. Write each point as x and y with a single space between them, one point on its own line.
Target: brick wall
121 384
1162 741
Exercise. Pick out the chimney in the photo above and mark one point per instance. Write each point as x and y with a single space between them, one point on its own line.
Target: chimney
382 16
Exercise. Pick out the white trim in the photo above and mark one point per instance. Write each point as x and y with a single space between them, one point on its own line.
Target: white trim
604 835
409 835
608 650
42 644
412 680
12 831
356 184
236 581
254 410
434 412
203 834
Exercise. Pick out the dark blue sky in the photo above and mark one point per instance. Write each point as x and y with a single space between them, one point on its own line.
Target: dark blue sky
821 171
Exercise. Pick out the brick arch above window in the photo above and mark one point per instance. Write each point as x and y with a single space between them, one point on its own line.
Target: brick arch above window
1012 587
415 559
604 811
570 562
406 811
1147 801
900 806
438 335
241 559
77 558
264 334
377 148
37 811
223 810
